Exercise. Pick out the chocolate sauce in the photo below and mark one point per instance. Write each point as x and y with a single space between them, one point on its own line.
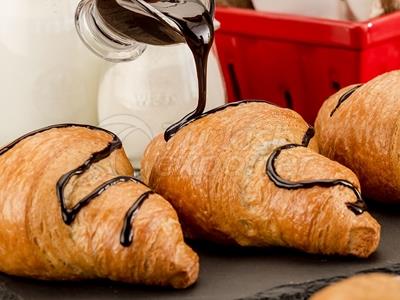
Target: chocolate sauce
357 207
127 232
69 214
17 141
186 122
164 22
344 97
308 136
198 31
136 22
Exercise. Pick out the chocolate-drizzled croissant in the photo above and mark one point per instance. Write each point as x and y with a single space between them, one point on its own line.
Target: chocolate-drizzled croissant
69 210
359 127
247 173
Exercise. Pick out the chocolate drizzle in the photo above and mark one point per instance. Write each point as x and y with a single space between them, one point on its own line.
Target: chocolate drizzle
127 232
145 21
69 214
199 35
186 121
344 97
357 207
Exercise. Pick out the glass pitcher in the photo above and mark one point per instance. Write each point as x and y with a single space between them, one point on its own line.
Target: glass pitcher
154 87
47 76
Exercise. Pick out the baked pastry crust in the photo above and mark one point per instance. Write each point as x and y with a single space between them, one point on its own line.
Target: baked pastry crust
362 287
363 134
213 171
36 242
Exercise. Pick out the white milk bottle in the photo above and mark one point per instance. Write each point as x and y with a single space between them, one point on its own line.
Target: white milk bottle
139 99
47 76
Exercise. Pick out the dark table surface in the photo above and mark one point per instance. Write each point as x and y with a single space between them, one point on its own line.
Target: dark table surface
226 273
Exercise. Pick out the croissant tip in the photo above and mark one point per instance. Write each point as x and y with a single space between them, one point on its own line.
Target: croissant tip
364 239
187 277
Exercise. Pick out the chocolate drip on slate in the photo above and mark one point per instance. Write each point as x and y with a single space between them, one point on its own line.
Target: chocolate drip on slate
69 214
344 97
357 207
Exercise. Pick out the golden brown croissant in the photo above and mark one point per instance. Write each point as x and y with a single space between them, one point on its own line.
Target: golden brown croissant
375 286
247 173
69 210
359 127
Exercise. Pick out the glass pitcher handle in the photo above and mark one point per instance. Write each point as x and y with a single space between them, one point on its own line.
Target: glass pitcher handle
100 39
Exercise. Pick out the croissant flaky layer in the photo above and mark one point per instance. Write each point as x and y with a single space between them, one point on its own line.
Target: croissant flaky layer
35 240
359 127
213 171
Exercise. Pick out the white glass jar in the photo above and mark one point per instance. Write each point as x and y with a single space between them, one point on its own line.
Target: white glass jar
47 76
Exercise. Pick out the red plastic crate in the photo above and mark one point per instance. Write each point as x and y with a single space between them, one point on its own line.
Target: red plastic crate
298 62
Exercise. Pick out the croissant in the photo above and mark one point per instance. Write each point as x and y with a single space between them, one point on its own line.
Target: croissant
249 173
70 210
374 286
359 127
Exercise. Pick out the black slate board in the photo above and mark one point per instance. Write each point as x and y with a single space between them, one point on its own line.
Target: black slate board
233 273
